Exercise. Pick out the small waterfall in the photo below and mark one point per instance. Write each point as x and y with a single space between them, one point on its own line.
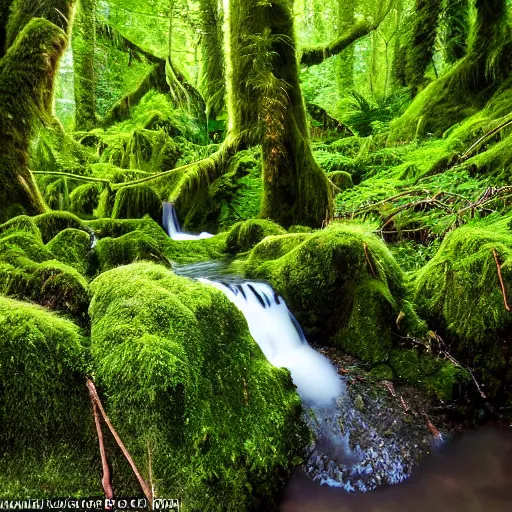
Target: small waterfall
351 450
172 225
280 337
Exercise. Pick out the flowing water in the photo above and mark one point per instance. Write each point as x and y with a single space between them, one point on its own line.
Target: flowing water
354 450
173 228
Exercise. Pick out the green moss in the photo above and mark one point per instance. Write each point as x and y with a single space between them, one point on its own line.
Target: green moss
344 286
136 201
47 437
85 198
221 440
341 180
73 247
23 244
245 235
20 223
134 246
459 292
52 223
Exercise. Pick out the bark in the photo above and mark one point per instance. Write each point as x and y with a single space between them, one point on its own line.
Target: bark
265 106
84 44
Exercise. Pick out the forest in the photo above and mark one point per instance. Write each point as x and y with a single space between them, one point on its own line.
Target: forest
242 237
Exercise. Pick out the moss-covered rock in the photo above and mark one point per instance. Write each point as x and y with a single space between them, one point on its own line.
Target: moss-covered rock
52 223
47 437
73 247
184 251
459 292
345 288
245 235
161 344
135 201
134 246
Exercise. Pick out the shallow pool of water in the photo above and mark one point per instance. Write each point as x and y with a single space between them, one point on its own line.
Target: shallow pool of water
470 474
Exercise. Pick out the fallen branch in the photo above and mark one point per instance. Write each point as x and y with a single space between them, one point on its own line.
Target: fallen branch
96 400
367 254
500 277
72 176
105 481
484 137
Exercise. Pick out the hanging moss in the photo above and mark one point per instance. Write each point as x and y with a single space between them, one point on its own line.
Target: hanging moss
459 292
245 235
56 194
52 223
84 199
456 22
160 348
344 286
136 201
73 247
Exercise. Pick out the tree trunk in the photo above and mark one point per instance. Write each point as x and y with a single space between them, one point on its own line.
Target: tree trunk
27 73
84 44
456 16
4 16
346 17
265 106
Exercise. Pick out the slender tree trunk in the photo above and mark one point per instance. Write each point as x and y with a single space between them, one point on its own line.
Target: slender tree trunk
456 16
346 19
84 45
266 107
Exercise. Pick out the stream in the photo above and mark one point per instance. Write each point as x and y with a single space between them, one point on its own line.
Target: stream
363 441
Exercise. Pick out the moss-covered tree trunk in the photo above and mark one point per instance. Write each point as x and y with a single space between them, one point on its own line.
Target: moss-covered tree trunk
346 59
213 82
423 37
36 38
4 16
266 107
84 44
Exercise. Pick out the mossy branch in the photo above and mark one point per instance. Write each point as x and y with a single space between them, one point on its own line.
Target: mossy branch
500 277
72 176
314 56
484 137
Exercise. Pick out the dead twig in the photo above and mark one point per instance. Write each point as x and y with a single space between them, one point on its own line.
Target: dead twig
500 277
96 400
367 254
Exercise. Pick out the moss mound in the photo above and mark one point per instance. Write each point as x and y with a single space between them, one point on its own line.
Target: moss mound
160 348
459 292
245 235
52 223
73 247
344 286
126 249
47 437
136 201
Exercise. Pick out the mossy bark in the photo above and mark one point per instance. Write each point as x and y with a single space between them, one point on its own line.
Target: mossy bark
456 16
265 105
84 43
4 16
422 41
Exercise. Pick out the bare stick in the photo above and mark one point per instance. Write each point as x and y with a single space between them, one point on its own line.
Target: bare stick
105 481
94 396
366 253
502 284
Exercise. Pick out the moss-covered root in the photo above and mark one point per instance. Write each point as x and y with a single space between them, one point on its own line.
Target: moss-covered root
26 74
221 440
47 437
136 201
345 287
245 235
464 292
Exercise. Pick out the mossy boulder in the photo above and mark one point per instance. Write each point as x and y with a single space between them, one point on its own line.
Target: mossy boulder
245 235
134 246
180 372
136 201
459 292
184 251
47 437
73 247
346 289
52 223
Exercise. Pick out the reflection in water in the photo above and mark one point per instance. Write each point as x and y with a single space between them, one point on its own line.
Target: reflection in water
471 474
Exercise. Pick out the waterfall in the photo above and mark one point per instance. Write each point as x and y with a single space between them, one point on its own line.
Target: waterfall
280 337
172 225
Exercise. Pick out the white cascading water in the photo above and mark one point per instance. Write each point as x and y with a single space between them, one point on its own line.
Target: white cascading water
280 337
172 226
